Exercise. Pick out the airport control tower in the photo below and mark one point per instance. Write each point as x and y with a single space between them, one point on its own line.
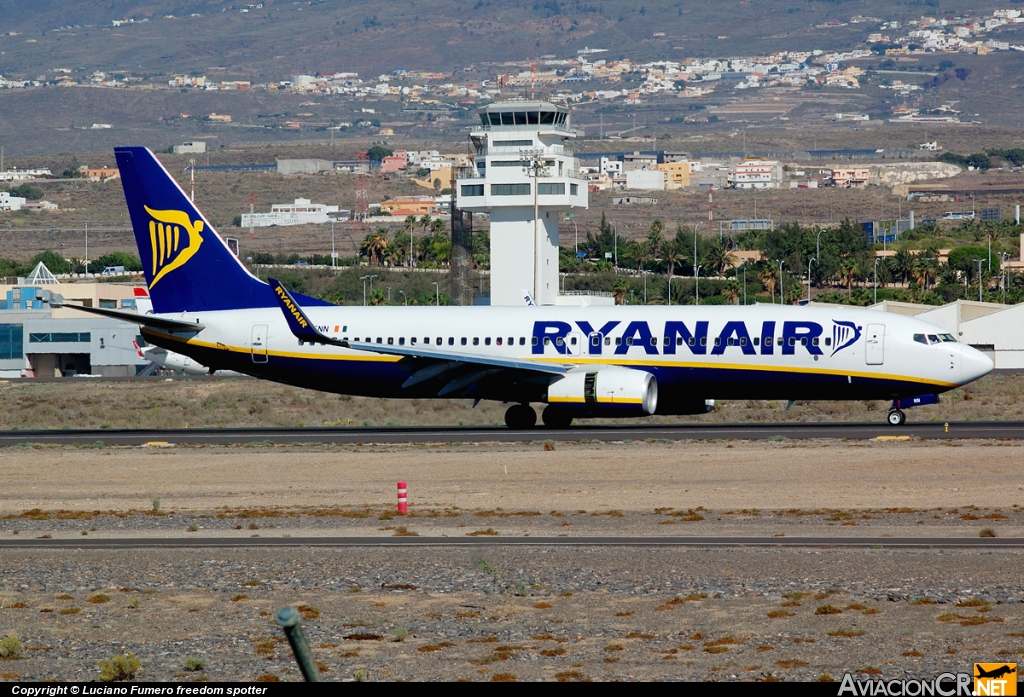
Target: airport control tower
525 178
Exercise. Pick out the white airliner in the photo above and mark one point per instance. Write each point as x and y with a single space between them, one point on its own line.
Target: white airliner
581 361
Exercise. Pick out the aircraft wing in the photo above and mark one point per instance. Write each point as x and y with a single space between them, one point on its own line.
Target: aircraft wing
441 355
443 362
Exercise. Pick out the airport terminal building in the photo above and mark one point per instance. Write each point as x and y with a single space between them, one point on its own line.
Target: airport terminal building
39 341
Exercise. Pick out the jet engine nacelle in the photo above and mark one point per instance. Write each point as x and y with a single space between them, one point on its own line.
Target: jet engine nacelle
606 392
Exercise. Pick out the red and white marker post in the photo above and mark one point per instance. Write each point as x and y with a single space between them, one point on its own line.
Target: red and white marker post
403 501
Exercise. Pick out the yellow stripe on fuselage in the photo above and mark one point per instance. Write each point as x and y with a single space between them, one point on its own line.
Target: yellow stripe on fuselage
578 360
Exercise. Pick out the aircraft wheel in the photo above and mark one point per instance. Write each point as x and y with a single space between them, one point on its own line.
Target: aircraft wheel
519 417
897 418
554 417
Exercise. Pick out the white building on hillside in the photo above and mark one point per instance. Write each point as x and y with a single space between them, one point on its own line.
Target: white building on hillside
302 212
11 203
756 174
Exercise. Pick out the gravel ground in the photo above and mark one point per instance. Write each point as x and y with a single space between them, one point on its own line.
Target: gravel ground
533 613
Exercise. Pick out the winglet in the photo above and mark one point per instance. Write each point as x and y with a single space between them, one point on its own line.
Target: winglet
299 324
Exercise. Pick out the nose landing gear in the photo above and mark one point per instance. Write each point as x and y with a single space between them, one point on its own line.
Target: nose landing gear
896 417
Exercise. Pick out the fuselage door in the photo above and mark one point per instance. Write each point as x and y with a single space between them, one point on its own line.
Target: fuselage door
874 346
259 343
594 343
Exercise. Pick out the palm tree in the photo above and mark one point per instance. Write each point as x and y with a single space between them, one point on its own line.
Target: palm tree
769 276
672 255
922 270
656 238
848 273
902 264
374 245
717 258
731 291
619 291
641 252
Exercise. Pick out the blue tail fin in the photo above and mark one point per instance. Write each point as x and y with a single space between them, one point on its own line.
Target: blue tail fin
188 266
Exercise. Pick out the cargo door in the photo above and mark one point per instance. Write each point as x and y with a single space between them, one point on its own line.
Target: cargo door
874 347
259 343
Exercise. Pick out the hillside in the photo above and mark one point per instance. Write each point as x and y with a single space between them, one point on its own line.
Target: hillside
282 38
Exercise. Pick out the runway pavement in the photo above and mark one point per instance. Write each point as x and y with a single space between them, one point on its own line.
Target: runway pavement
501 541
698 431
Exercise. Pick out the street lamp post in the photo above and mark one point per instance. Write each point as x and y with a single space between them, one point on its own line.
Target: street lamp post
817 244
1005 274
405 298
572 219
744 281
644 273
369 277
809 262
696 285
437 293
782 300
876 280
333 254
695 250
389 295
534 166
979 262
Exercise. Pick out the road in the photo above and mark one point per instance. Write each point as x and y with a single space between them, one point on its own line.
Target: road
502 541
749 431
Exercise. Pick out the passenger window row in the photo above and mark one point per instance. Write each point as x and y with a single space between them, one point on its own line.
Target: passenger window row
595 341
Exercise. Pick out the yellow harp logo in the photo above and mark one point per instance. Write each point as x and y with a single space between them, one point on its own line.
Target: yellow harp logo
169 250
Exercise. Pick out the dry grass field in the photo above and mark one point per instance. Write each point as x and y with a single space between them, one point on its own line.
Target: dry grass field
229 402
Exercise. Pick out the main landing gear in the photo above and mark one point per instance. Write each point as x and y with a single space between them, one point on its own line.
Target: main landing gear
520 417
896 417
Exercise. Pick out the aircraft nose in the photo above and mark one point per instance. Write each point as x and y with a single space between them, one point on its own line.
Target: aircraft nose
974 364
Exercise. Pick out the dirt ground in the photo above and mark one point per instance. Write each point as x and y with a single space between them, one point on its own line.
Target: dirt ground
499 613
627 477
244 402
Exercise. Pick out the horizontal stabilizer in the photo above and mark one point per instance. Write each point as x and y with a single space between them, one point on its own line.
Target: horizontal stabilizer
168 325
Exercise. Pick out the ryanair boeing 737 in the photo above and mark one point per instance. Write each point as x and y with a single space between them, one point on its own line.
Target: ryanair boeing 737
580 361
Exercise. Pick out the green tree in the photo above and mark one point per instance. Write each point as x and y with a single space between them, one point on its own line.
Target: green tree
53 261
130 262
378 152
27 191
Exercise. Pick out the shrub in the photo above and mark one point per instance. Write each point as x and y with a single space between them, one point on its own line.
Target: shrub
193 664
120 667
10 647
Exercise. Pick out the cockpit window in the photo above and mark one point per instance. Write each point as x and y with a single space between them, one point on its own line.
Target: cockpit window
933 339
947 337
921 339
